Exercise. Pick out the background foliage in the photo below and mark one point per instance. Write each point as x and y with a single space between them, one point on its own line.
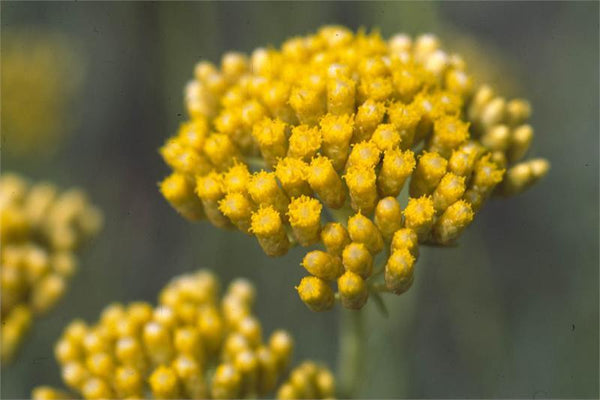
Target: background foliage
511 312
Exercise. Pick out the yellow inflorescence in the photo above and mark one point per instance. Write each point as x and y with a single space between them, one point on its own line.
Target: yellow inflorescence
194 345
41 74
315 142
41 231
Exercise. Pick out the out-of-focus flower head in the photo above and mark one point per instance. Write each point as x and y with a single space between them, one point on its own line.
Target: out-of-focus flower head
42 229
41 74
194 345
313 143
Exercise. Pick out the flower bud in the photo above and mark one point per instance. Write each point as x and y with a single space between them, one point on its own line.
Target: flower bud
337 132
362 186
335 237
363 154
450 189
386 137
405 118
315 293
266 224
265 191
396 168
209 189
363 230
270 134
179 192
520 141
419 216
304 142
305 218
353 290
452 222
399 271
322 265
430 170
388 216
405 239
326 183
369 115
341 93
238 209
357 258
523 175
292 174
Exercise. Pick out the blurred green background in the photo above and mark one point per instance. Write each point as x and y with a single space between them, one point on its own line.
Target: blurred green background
511 312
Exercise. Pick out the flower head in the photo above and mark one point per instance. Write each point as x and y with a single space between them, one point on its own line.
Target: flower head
333 127
41 231
194 344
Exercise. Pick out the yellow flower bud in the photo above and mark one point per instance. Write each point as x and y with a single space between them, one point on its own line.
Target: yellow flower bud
341 95
220 150
184 159
353 290
309 104
452 222
179 192
396 168
243 291
462 162
357 258
281 345
362 186
335 237
336 132
326 183
325 382
266 224
363 154
459 82
48 393
291 173
164 383
322 265
227 382
270 134
451 189
210 190
408 81
96 388
388 216
265 191
399 271
405 118
518 111
47 292
405 239
157 342
362 230
521 139
238 209
268 371
430 170
236 179
286 392
304 142
211 328
246 363
523 175
493 112
305 218
449 132
369 115
419 216
315 293
376 88
386 137
496 138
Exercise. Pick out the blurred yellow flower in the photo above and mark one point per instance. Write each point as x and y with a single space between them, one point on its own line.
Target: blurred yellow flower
322 136
41 231
41 74
195 345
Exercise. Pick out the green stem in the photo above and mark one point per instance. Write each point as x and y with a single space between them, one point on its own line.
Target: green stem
351 362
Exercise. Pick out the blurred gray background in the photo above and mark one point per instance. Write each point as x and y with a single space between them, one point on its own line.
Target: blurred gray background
511 312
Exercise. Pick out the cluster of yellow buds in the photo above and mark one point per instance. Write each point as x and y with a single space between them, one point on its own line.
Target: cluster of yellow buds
41 230
195 344
315 142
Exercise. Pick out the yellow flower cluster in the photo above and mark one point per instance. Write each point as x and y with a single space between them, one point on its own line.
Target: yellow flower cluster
332 127
194 344
41 230
41 73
